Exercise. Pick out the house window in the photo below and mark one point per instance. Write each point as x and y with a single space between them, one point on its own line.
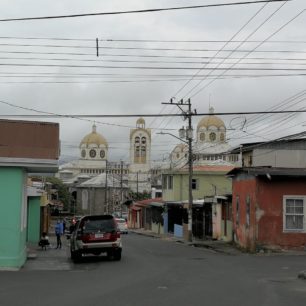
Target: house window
164 181
294 213
170 182
194 184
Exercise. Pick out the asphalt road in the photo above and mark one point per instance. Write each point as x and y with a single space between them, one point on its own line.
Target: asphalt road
156 272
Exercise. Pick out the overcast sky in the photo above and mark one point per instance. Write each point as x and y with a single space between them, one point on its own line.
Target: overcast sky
51 86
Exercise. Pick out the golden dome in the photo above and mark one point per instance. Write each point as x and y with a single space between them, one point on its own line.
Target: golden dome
94 138
140 121
211 120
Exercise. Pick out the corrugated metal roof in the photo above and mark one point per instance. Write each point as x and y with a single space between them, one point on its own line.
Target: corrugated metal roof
257 171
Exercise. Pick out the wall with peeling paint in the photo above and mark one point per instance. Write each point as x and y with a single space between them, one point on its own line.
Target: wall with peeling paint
262 225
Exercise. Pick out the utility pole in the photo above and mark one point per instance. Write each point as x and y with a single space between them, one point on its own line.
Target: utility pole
188 135
105 194
121 187
137 184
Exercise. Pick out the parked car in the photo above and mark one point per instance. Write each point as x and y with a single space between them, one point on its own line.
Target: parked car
96 234
122 225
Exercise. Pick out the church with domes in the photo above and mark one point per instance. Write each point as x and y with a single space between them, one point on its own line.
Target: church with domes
210 146
92 167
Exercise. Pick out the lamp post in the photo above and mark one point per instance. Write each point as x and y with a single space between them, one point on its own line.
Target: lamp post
186 135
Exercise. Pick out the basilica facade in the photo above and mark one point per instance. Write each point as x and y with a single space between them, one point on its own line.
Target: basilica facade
210 146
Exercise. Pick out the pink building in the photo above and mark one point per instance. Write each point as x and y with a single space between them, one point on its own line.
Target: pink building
269 207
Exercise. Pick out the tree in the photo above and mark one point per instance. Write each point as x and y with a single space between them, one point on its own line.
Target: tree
63 193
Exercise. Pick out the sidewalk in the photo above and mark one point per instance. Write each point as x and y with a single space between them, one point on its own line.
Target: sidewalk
49 259
217 246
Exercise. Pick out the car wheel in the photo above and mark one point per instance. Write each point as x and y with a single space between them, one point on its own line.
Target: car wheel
117 255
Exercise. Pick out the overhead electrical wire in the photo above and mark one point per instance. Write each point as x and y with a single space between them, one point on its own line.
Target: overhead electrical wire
102 55
146 40
221 49
237 47
255 49
143 61
149 48
140 11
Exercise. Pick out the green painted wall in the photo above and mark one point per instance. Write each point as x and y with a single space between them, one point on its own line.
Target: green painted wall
12 217
209 185
34 219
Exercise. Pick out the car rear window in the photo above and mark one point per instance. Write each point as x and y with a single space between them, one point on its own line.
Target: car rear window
98 225
121 221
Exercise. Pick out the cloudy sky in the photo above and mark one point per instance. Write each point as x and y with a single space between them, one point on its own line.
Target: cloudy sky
234 58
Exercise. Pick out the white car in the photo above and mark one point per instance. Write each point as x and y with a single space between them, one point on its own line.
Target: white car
122 225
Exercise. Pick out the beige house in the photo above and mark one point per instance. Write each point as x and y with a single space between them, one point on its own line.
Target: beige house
211 210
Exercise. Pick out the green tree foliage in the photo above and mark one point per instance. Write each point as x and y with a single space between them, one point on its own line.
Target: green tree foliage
140 195
63 193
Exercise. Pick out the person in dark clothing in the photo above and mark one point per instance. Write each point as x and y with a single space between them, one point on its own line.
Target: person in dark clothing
44 241
58 233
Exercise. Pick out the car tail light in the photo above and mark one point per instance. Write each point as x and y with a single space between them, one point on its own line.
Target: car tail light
115 236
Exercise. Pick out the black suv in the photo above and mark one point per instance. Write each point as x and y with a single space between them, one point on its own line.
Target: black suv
96 234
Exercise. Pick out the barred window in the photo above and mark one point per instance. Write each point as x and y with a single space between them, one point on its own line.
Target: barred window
294 214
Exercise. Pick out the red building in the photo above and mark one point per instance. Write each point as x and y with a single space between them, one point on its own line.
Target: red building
269 207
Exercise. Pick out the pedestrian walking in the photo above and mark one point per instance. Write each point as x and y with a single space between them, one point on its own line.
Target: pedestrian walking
58 233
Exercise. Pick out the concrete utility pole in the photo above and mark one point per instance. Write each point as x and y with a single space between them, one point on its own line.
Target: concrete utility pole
137 183
105 194
188 135
121 188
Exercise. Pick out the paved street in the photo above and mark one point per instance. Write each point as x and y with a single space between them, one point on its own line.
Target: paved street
156 272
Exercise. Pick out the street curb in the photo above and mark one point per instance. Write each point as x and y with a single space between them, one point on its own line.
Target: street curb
191 244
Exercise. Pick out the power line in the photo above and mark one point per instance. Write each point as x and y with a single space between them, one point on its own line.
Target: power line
147 56
142 61
146 67
146 115
240 44
140 11
147 48
266 39
221 49
151 80
147 40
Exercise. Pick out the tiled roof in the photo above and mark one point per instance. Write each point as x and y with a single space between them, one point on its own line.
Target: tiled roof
148 202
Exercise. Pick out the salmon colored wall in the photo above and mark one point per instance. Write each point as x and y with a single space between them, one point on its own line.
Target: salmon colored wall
245 235
271 223
266 212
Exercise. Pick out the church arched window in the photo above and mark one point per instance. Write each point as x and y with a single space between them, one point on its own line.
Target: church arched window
143 140
202 136
222 137
137 152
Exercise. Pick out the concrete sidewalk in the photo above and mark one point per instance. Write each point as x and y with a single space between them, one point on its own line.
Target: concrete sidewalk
49 259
